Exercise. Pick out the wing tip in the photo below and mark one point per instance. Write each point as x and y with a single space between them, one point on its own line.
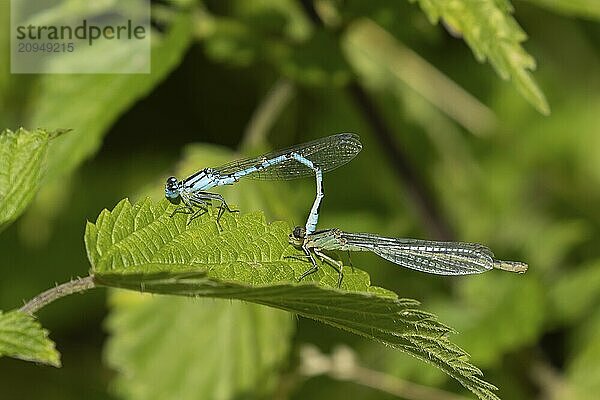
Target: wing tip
351 136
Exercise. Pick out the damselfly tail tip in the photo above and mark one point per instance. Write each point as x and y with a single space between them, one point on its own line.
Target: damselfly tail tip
512 266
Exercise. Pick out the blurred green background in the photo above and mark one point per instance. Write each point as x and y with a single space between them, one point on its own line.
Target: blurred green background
451 151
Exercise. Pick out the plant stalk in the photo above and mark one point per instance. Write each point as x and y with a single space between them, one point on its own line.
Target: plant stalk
50 295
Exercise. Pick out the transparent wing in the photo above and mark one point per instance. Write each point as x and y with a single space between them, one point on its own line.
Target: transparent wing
434 257
437 263
328 153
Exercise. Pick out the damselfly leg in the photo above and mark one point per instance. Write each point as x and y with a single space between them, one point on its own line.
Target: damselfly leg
194 206
204 198
350 260
336 265
182 210
308 257
202 209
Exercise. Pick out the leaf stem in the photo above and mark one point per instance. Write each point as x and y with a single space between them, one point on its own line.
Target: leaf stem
50 295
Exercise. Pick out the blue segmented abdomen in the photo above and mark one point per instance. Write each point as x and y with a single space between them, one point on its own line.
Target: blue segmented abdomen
263 163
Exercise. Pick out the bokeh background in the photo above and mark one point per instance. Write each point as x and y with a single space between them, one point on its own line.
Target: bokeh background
451 151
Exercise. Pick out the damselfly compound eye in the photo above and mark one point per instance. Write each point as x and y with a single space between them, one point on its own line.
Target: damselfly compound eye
171 188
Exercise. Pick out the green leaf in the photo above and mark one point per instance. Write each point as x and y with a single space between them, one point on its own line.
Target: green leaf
497 314
139 247
577 294
22 337
582 369
575 8
97 100
493 34
22 161
213 349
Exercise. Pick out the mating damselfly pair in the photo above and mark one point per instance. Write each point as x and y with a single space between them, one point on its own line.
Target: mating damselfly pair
315 158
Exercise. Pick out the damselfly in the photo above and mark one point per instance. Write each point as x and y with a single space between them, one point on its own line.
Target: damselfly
316 157
434 257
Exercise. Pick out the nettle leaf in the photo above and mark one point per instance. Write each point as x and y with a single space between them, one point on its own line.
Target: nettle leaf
22 337
234 325
22 159
493 34
214 349
140 247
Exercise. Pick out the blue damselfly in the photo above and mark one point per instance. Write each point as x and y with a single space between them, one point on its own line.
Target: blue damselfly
315 157
433 257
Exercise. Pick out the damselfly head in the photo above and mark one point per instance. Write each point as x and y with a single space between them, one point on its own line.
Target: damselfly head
172 190
296 238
